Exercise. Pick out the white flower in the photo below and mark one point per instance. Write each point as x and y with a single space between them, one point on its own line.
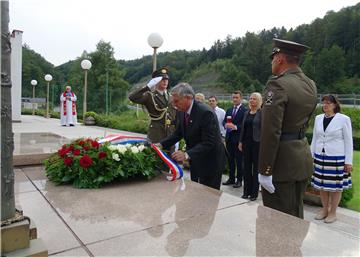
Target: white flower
134 149
128 145
141 148
116 157
112 147
121 148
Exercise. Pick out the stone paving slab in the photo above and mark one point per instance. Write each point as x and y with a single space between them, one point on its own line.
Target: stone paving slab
55 234
244 230
123 208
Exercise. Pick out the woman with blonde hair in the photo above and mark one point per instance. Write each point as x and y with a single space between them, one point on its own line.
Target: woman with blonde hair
249 144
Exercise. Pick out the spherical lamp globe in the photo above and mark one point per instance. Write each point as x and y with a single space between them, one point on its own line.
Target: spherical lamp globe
48 77
33 82
85 64
155 40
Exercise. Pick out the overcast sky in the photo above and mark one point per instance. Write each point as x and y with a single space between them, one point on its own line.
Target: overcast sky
61 29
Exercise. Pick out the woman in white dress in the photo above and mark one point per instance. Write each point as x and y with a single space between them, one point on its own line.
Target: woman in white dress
68 108
332 150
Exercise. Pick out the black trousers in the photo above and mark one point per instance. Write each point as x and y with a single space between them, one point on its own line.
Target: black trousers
210 181
235 160
288 197
251 169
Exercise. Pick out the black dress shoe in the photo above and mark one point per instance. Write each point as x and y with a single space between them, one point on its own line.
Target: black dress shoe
253 198
244 197
237 184
228 182
72 125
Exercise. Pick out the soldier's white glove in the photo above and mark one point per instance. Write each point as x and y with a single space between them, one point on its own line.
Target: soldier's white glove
266 182
153 82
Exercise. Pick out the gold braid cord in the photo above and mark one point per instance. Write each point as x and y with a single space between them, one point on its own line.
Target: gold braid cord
161 110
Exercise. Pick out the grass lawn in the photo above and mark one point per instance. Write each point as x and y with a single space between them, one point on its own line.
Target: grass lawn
354 204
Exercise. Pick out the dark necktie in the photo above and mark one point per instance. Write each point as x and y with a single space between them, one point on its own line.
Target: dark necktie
186 119
234 112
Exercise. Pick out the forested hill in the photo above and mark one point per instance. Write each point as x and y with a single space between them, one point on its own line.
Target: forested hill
232 63
333 62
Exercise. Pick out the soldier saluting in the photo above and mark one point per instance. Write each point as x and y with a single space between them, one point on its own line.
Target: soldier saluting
285 161
156 99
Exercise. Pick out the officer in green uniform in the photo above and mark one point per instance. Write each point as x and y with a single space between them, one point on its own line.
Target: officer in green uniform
155 97
285 162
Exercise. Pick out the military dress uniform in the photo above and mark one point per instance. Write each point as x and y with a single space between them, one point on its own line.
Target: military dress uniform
160 110
289 100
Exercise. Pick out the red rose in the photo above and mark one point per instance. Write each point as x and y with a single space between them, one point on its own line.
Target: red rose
81 142
71 147
68 161
63 151
95 144
86 161
76 152
102 155
86 148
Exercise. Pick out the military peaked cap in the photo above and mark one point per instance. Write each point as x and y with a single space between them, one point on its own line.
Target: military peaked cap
288 47
162 72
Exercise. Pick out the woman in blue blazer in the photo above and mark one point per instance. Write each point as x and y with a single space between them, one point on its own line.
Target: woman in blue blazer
332 150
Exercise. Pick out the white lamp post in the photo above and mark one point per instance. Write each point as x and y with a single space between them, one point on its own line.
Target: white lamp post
48 78
155 41
85 65
33 83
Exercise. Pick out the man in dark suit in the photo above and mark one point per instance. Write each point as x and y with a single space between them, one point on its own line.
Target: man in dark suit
232 124
198 125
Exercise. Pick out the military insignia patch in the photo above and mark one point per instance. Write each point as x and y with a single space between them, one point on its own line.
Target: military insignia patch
269 98
163 71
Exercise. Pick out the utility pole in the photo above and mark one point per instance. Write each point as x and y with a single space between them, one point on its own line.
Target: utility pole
7 136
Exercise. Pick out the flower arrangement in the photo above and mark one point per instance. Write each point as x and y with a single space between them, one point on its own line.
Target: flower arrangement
87 164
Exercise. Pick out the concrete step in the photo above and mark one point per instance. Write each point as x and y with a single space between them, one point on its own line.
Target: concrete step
33 230
15 236
36 249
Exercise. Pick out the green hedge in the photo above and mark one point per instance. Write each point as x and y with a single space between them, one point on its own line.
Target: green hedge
125 121
41 112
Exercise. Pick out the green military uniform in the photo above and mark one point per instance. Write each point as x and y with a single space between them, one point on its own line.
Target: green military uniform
161 112
289 100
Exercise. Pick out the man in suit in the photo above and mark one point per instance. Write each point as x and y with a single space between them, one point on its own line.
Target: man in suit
285 162
232 123
198 125
155 97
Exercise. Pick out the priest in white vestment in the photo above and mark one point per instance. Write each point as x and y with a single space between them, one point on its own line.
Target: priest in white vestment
68 108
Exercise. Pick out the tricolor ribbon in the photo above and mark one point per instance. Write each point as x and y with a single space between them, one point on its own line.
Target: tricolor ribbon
175 169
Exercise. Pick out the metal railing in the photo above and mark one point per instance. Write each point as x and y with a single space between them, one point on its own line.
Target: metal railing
350 100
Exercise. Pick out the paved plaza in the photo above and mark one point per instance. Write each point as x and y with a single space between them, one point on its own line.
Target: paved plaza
159 217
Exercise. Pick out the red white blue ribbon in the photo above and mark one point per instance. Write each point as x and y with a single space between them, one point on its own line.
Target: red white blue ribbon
175 169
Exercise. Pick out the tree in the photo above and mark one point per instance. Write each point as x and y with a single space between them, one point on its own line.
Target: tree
330 68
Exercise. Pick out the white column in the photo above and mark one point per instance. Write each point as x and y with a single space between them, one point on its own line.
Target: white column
16 76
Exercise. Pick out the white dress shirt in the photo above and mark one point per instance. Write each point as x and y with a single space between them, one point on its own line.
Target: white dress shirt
220 113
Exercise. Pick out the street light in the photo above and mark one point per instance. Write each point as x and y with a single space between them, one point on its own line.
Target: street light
48 78
155 41
85 65
33 83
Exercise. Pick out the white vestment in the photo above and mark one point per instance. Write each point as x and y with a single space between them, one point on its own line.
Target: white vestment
69 118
